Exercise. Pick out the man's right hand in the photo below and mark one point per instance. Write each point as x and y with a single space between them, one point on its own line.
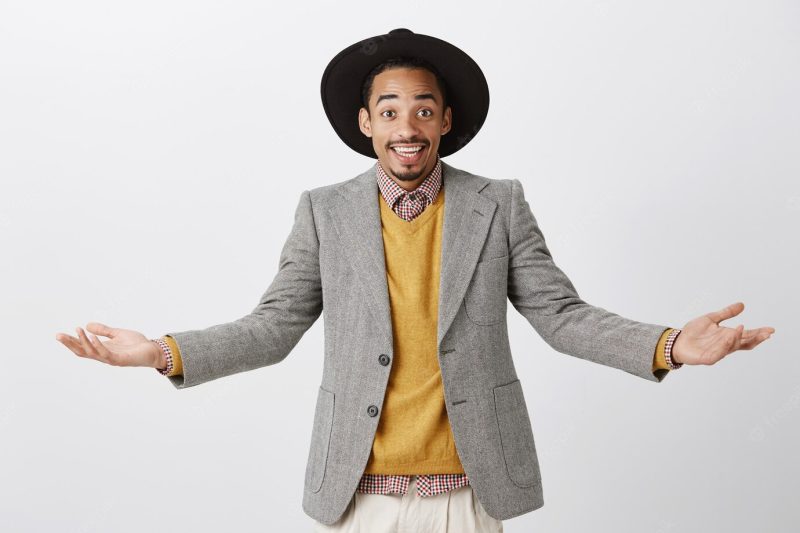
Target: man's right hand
126 347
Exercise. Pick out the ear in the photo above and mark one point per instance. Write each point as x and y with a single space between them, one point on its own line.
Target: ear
447 120
363 122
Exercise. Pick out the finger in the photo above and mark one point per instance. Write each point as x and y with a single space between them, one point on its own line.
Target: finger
87 346
768 331
737 337
72 343
751 333
63 337
755 340
101 329
726 312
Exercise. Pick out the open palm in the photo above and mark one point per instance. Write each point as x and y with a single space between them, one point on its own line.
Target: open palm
703 341
126 347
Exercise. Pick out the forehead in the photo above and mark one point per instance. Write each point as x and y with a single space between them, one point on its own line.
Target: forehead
404 79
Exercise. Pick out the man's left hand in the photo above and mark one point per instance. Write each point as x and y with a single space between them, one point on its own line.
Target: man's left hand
702 341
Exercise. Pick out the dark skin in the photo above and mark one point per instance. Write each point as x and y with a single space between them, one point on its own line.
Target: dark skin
414 116
405 108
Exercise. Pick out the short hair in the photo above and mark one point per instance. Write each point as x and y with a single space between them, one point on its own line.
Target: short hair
396 62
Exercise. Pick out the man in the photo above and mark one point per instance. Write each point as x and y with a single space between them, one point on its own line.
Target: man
420 421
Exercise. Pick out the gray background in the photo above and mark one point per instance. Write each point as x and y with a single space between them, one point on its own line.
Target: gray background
133 133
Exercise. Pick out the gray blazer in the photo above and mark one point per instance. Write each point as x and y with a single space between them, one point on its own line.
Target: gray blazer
492 249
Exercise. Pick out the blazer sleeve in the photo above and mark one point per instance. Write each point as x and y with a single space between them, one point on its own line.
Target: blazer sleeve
286 310
545 296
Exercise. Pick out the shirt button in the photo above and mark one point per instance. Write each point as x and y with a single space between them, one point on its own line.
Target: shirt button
412 197
372 410
383 359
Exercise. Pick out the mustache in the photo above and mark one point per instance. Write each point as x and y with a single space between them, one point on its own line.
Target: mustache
407 142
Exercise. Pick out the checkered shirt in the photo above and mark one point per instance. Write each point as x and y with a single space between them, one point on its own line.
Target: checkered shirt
409 204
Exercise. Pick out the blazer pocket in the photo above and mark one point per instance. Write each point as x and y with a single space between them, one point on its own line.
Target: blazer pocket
516 434
320 440
485 300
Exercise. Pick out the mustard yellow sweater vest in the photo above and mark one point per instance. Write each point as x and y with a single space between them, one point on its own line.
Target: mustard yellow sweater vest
413 434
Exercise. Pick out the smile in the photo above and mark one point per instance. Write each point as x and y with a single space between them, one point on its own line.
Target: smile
408 154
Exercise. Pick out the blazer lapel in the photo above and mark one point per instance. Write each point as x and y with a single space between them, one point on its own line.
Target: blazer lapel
357 216
467 216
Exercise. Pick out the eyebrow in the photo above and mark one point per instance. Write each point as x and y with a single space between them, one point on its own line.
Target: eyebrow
423 96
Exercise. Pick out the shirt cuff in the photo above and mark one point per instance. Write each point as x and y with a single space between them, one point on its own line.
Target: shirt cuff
659 360
177 363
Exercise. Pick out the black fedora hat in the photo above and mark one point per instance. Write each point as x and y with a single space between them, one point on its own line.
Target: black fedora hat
465 84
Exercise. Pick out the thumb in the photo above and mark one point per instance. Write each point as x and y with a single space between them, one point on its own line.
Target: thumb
101 329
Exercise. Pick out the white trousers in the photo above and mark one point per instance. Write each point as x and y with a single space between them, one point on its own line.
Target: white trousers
454 511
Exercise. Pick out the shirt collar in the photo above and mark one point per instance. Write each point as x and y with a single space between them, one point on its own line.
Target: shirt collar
429 187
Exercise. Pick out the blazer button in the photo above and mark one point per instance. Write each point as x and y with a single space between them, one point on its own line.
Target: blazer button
383 359
372 410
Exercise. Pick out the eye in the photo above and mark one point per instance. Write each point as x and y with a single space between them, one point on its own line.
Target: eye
387 111
429 111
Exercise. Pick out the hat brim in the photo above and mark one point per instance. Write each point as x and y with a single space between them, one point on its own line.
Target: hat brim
467 89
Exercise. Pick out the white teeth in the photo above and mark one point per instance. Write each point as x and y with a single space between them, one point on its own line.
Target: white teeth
406 151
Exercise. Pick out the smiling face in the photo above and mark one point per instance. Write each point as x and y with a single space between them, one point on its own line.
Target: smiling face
405 122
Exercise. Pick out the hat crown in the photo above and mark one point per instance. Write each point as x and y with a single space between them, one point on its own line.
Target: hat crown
400 31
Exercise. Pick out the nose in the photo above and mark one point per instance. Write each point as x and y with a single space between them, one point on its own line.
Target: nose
407 127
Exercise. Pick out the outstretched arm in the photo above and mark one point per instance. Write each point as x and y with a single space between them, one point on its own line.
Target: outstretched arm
265 336
546 297
286 310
